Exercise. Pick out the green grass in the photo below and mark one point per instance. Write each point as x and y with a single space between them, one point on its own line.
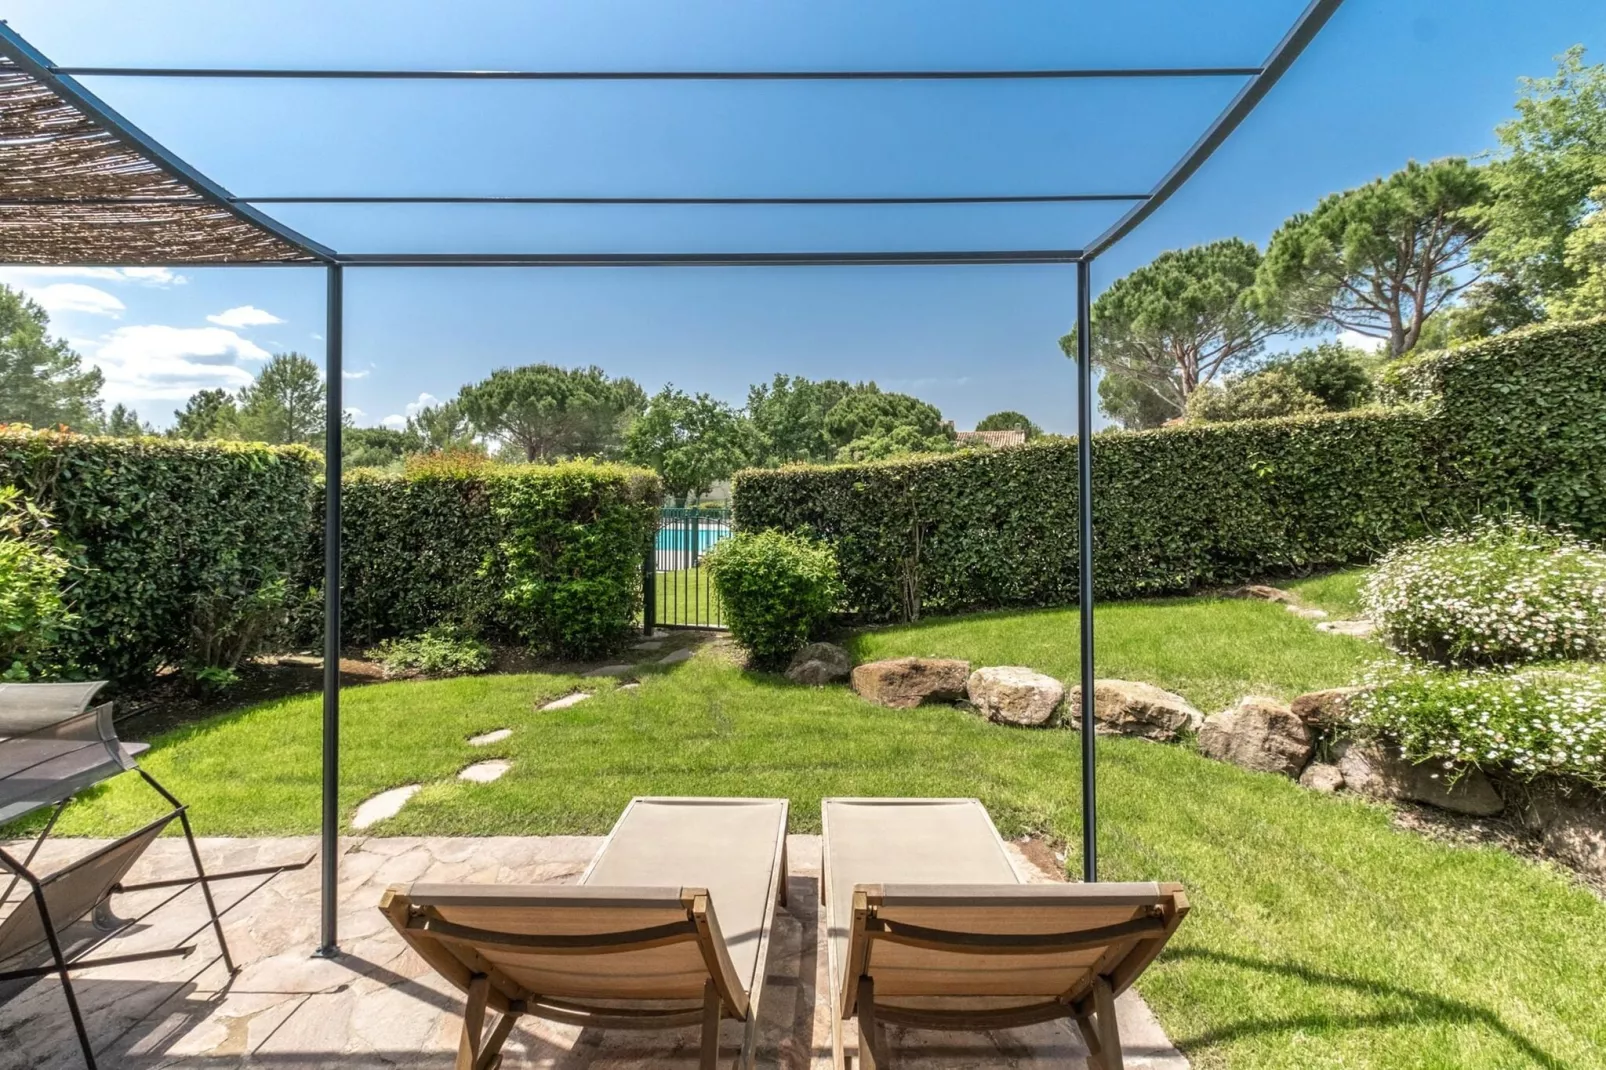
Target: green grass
1337 592
687 596
1321 937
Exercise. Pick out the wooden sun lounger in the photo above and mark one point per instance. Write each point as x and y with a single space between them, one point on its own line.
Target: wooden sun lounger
930 927
669 927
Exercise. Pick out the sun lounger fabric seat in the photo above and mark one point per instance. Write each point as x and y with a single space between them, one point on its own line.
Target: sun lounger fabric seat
929 926
669 927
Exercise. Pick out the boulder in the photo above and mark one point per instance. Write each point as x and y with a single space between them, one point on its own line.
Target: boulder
1319 776
1572 828
1010 694
1131 708
819 664
1321 709
1263 593
1380 771
1260 734
903 683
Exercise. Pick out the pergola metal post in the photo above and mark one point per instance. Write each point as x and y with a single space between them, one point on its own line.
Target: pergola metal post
1084 560
333 415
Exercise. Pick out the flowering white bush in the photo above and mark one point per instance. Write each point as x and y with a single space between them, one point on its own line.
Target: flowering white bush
1504 592
1528 722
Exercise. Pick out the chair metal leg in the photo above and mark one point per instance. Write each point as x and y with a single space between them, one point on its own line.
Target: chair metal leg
200 871
66 979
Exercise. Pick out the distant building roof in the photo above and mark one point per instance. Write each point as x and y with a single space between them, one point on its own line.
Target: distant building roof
995 439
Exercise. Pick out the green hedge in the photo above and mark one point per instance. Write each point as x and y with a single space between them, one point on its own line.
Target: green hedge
1522 421
158 532
1174 509
547 554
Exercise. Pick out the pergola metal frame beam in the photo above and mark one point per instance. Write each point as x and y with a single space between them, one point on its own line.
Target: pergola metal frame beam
1262 79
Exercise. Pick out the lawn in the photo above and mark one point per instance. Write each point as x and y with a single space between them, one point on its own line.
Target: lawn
1322 935
687 596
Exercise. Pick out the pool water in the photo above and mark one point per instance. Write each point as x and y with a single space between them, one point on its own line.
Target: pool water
678 537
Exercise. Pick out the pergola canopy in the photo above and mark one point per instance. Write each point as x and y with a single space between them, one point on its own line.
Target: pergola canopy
79 185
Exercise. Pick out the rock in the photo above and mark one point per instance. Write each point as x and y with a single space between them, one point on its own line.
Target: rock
611 670
484 772
1572 829
386 804
1262 593
1011 694
567 700
1260 734
1319 776
819 664
675 657
1306 612
1131 708
1380 771
1358 629
495 735
1320 709
902 683
648 644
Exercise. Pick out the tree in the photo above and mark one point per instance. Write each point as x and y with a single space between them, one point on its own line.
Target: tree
1175 324
124 422
691 442
789 416
1379 259
1585 255
42 381
1009 421
442 427
880 445
377 447
1254 397
286 402
1131 404
208 414
1332 372
1544 182
550 412
868 412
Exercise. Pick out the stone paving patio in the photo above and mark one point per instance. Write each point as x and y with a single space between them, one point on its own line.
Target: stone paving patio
377 1007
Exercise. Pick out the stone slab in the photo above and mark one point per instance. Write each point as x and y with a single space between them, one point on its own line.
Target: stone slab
385 804
496 735
484 772
567 700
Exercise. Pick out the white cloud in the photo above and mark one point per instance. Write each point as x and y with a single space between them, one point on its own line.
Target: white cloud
1357 340
60 297
355 413
160 363
363 374
244 316
149 276
399 421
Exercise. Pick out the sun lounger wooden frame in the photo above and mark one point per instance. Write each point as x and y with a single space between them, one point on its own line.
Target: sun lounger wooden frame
684 915
1001 927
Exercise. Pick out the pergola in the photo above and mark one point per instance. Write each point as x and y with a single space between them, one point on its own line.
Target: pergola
81 185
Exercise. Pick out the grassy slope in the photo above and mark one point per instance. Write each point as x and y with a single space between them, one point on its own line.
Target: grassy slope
1337 592
1321 936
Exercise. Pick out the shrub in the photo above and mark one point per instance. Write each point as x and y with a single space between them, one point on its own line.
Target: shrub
1269 394
1526 723
162 535
443 651
1333 372
778 590
1522 421
1173 509
548 554
1505 591
33 616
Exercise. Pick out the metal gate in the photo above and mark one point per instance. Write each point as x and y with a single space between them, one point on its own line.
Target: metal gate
677 589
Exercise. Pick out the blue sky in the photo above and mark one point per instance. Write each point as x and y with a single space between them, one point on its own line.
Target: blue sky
1388 80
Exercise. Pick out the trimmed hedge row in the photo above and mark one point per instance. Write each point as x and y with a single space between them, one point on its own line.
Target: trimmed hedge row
1175 508
164 536
550 554
1522 421
1516 422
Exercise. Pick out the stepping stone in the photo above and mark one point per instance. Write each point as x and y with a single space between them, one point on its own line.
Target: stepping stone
1359 629
675 657
567 700
611 670
494 736
629 687
385 804
647 644
484 772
